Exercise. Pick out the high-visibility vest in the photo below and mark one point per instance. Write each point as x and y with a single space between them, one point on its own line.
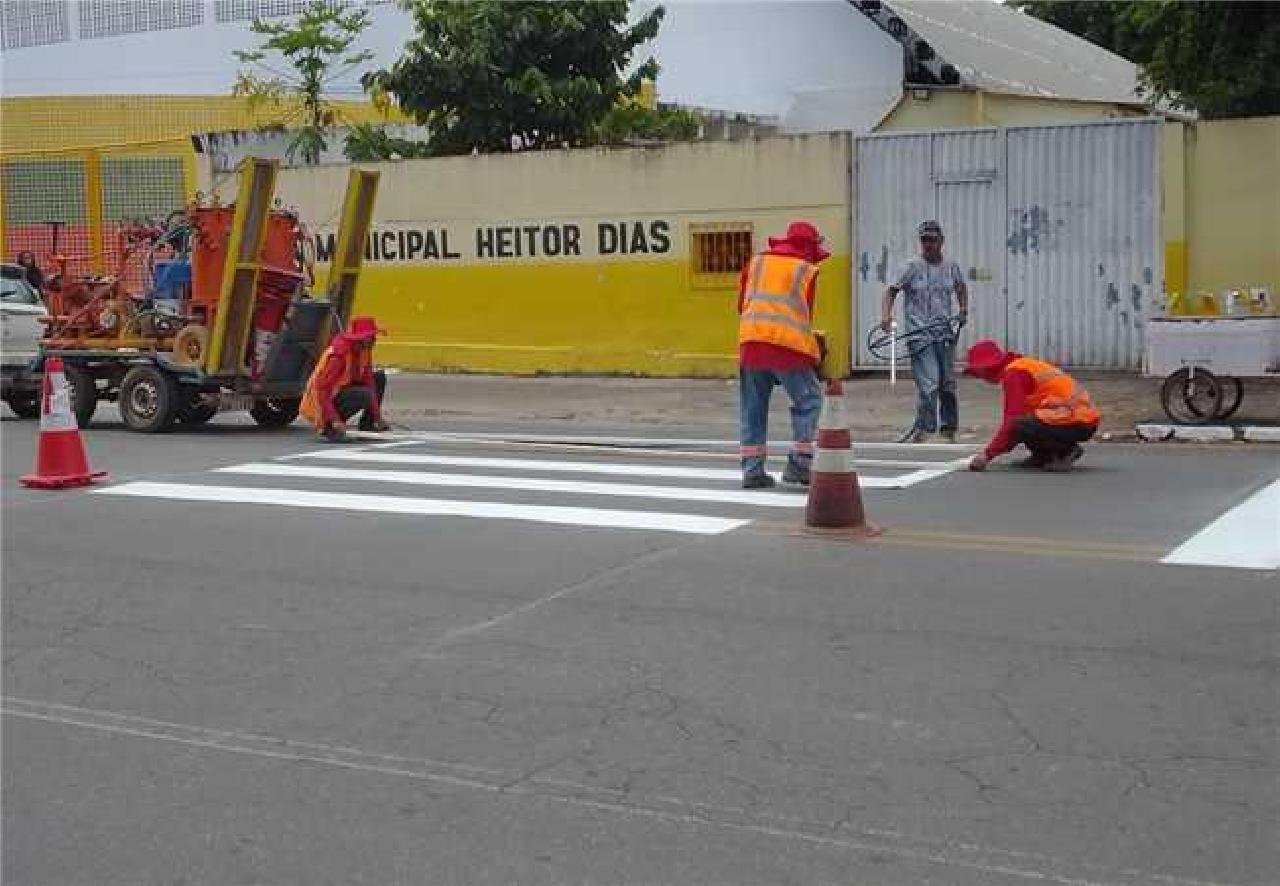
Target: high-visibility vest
774 310
356 363
1057 398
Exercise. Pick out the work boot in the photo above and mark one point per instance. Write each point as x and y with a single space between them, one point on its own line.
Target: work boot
915 435
329 435
758 480
796 473
948 434
1060 465
1076 452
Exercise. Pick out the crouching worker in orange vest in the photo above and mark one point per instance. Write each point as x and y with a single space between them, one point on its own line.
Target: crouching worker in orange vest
1045 409
777 346
344 382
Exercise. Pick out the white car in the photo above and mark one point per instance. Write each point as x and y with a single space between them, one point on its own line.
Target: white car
20 332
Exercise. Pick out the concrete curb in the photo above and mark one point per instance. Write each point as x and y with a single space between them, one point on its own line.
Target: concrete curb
1157 433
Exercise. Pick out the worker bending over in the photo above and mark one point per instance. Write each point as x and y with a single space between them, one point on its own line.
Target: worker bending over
777 346
1045 409
345 383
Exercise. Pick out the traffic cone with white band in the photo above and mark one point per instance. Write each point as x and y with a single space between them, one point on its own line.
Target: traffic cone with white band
60 457
835 498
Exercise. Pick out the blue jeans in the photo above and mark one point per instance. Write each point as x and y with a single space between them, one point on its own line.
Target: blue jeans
933 365
754 388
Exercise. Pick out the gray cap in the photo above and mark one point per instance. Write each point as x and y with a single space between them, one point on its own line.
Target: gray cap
929 227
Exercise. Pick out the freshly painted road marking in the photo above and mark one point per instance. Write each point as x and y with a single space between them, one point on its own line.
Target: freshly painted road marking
524 484
1245 537
382 504
617 469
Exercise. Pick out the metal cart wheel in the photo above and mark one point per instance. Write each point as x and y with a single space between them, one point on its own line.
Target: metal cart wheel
1192 398
148 400
1232 394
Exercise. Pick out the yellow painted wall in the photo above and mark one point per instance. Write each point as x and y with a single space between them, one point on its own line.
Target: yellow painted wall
956 109
1233 205
642 313
57 123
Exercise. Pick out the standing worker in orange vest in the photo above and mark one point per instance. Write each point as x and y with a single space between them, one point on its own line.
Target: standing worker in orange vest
344 382
1045 409
777 346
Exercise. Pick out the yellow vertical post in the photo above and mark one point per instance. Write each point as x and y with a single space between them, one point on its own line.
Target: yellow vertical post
248 236
3 196
353 230
94 211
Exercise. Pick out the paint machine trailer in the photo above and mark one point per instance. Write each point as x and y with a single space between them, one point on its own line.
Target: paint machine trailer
228 324
1204 360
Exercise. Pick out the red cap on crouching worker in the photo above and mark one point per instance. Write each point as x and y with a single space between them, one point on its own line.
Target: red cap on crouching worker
364 329
804 238
985 357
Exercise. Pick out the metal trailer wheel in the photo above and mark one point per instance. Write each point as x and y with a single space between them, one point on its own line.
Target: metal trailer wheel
1191 398
275 413
24 407
84 393
148 400
1232 395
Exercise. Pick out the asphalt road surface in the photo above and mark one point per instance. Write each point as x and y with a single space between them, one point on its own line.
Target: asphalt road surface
492 656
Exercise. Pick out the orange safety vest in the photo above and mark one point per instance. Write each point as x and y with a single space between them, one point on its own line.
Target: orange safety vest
1057 398
774 310
356 367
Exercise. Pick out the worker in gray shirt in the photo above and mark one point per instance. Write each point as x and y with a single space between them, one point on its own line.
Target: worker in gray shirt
933 287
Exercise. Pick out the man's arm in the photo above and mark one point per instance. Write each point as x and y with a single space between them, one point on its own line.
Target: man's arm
886 309
1017 385
962 295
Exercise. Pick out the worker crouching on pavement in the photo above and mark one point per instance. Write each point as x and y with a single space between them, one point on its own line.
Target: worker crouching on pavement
345 383
1045 409
777 346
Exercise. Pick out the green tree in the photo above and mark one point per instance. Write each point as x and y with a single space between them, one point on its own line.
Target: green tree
500 75
317 45
1219 58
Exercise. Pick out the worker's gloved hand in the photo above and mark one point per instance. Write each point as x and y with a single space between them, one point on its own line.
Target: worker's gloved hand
335 432
979 462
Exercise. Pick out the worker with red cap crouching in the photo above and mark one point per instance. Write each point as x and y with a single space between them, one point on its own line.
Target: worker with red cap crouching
1045 409
777 346
344 382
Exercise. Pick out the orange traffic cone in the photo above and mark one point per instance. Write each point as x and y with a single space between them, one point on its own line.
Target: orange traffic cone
835 498
60 456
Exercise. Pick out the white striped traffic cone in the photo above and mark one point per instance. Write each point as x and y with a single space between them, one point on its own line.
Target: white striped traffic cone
835 498
60 457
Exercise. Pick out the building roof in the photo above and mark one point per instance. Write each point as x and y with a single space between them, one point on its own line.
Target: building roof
998 48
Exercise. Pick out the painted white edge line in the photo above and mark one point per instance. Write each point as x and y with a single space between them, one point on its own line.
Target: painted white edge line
382 504
523 484
615 469
1245 537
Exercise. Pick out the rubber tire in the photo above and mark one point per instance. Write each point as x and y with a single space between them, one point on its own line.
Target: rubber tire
84 394
275 413
24 407
1232 395
162 387
1173 397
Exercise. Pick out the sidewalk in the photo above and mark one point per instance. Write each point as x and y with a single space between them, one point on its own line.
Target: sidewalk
421 401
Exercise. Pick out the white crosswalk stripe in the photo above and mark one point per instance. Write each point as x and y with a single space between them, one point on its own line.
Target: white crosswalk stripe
378 479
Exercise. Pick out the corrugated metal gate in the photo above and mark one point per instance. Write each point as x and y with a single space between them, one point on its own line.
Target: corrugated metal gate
1056 227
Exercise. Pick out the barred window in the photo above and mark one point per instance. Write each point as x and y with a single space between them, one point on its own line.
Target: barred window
33 23
244 10
718 252
109 18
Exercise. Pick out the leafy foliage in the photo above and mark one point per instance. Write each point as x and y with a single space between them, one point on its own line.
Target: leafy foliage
1220 58
368 142
502 75
317 45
